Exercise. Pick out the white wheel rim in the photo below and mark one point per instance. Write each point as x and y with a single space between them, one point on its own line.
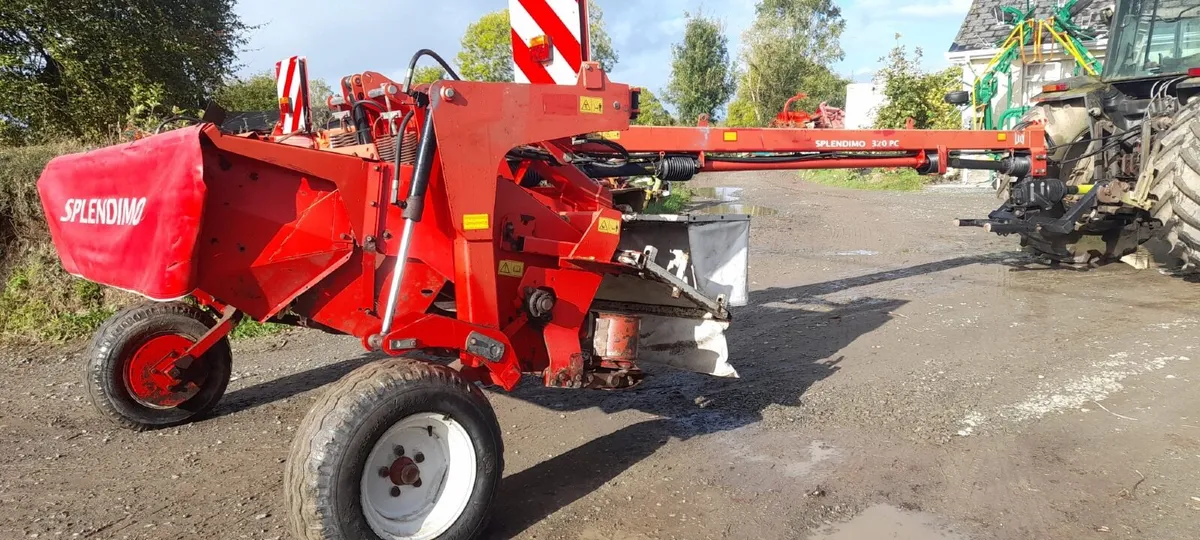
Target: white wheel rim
447 478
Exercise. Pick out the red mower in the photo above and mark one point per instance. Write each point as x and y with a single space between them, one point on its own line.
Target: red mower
458 218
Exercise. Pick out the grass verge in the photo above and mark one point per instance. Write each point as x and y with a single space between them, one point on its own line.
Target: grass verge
40 302
869 179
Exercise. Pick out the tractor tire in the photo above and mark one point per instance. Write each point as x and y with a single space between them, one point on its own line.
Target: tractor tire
117 374
1177 184
398 449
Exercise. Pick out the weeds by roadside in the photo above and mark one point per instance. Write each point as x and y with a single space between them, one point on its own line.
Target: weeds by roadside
672 204
869 179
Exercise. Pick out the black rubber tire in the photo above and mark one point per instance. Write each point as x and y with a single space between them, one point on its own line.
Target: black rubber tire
114 342
324 469
1177 184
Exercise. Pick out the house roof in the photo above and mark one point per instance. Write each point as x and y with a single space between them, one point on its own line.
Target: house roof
981 30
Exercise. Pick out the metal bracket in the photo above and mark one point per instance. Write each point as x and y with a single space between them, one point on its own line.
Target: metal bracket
484 347
645 261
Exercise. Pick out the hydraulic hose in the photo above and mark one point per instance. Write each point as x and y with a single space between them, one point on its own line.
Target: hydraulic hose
396 163
412 66
414 207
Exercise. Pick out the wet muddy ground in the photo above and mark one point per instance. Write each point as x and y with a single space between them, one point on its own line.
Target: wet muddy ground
901 378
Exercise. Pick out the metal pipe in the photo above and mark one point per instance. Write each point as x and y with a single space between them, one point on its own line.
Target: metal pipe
414 206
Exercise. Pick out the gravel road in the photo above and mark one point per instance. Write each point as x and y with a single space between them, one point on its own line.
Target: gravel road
901 378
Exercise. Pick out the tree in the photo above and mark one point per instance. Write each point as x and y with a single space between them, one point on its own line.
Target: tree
486 46
701 77
602 47
486 53
789 49
910 92
259 93
82 69
652 111
253 93
428 74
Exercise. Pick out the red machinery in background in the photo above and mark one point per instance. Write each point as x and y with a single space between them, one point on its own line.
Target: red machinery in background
826 117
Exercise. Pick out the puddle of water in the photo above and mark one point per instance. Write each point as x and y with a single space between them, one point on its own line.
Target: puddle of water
726 194
888 522
737 208
728 197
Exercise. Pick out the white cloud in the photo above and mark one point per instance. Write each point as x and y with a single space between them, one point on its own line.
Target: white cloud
949 8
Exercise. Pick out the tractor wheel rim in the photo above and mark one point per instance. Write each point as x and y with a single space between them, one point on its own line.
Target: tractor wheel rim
156 388
418 478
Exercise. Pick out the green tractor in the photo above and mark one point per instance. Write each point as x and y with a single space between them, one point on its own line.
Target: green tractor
1124 148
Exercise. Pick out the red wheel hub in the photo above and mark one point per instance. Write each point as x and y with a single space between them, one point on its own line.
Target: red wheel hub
153 378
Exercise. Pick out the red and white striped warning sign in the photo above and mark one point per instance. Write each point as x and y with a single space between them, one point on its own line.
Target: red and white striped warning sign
549 39
291 84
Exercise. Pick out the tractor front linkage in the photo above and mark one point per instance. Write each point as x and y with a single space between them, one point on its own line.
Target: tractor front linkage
460 221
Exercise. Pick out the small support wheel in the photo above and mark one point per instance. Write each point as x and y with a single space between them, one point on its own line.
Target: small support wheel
133 378
398 449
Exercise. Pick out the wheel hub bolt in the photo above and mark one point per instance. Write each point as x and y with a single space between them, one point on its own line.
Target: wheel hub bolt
384 472
395 491
399 450
419 457
417 483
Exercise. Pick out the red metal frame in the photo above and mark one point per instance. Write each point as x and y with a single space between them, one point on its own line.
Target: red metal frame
311 237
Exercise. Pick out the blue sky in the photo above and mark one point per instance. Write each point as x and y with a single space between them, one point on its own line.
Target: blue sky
352 36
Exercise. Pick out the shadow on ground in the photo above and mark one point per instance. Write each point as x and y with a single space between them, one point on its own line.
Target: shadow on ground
786 340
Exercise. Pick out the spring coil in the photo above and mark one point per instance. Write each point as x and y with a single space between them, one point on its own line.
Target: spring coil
676 168
408 148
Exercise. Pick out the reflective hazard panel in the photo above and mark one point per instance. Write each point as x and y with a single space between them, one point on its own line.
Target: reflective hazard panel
475 222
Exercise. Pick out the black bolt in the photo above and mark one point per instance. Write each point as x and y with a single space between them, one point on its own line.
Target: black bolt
384 472
417 483
395 491
419 457
399 450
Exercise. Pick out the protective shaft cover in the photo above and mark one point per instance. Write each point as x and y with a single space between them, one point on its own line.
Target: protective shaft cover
128 216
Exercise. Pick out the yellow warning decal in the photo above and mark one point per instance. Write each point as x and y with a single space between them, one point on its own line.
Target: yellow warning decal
475 222
609 226
511 268
591 105
1001 137
730 136
610 135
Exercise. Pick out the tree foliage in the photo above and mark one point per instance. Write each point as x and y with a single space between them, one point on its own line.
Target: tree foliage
86 68
428 74
910 92
602 47
486 46
259 93
652 111
789 49
701 76
486 53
